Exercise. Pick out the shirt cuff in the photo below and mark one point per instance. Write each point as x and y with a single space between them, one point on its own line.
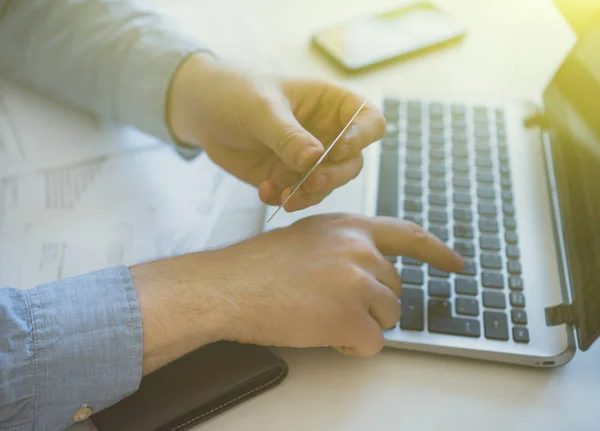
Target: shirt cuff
151 65
88 344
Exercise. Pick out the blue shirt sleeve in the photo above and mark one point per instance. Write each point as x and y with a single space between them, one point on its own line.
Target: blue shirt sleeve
67 344
111 58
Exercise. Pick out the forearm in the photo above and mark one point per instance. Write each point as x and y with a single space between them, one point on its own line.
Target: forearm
105 56
179 314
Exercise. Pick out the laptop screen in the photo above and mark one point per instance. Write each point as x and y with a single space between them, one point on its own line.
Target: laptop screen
572 105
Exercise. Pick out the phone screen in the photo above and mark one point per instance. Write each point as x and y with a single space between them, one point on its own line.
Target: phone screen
380 37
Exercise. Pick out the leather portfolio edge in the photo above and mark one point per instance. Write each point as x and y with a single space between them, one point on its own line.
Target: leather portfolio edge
195 388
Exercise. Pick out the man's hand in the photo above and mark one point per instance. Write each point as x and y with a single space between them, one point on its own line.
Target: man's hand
268 132
323 281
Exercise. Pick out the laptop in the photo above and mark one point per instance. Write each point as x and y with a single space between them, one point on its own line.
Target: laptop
515 189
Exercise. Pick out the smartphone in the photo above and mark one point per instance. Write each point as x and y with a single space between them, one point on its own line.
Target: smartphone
370 41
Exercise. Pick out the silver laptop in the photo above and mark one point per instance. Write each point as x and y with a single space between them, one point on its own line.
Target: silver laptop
515 188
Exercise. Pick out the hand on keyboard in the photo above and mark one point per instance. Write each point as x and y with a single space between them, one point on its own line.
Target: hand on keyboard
323 281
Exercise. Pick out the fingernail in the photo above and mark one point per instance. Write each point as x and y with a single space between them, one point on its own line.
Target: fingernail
351 132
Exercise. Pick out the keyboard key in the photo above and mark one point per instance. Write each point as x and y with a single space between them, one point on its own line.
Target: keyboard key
413 174
413 131
454 326
511 237
463 231
460 183
391 103
437 199
491 261
461 198
437 155
412 276
519 317
505 183
415 218
485 177
462 214
494 299
436 108
387 198
520 334
409 261
467 306
434 272
412 308
413 206
460 153
458 110
413 159
413 190
480 111
391 259
391 115
470 268
436 126
390 144
459 138
508 209
436 170
437 141
439 231
487 209
482 134
517 300
438 308
436 216
492 279
515 282
514 267
507 196
489 243
483 153
504 170
439 288
482 162
437 184
486 193
496 325
460 167
510 223
499 113
465 249
488 226
512 252
465 286
414 144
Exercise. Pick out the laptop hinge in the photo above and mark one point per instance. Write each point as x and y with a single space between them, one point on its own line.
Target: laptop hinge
537 120
561 314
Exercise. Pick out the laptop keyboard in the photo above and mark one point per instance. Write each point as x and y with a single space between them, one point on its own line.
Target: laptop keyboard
446 168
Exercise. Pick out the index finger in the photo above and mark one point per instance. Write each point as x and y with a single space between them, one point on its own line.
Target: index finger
395 237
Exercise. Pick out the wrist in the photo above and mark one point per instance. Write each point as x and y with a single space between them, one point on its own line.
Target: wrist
188 84
178 308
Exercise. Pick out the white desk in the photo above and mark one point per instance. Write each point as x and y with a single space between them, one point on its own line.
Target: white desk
511 51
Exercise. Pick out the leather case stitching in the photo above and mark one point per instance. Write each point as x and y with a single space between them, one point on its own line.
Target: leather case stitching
270 382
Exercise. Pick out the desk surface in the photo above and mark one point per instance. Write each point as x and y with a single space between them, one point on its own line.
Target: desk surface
511 51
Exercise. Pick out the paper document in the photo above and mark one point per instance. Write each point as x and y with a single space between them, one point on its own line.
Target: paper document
76 197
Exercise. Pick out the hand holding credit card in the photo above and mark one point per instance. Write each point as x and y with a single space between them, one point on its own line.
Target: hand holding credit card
318 162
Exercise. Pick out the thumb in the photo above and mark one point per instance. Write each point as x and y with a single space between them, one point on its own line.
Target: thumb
277 128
